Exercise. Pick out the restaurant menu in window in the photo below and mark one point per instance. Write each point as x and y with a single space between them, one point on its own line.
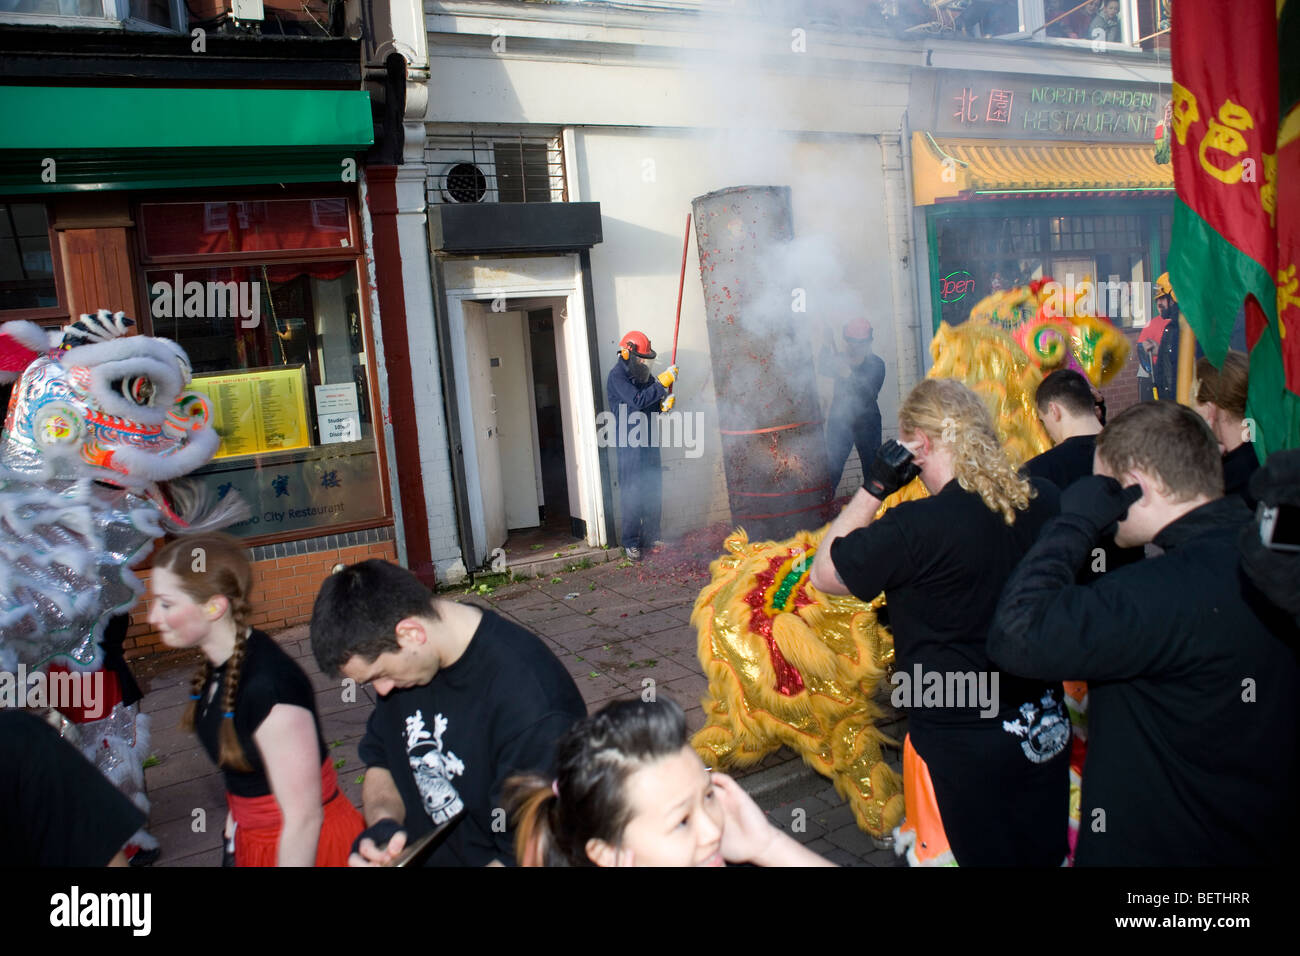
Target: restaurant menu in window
261 410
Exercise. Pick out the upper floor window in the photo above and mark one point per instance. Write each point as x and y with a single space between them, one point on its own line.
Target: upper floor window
140 14
1099 25
495 165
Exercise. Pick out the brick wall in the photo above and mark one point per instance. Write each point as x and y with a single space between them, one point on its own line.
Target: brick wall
283 592
1122 390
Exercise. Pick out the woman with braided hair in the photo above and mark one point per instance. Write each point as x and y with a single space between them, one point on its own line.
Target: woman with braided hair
986 759
253 709
630 791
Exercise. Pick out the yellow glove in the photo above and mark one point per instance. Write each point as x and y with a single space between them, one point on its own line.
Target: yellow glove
667 378
667 404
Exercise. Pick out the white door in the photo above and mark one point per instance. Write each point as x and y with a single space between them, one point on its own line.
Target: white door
512 384
483 410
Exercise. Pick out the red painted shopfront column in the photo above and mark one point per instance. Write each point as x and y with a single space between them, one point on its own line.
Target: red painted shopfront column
382 202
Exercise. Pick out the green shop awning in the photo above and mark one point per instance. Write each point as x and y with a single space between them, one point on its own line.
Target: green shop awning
65 139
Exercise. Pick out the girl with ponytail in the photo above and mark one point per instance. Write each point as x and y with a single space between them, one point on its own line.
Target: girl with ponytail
986 758
253 709
630 791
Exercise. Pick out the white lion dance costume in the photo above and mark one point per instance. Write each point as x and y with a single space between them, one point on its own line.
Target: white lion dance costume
97 421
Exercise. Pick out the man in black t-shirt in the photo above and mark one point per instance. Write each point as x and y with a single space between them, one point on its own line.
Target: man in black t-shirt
467 699
56 808
1067 410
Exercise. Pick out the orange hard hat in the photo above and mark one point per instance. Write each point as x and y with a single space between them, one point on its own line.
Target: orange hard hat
859 330
637 344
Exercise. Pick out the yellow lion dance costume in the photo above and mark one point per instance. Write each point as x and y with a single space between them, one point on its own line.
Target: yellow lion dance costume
789 665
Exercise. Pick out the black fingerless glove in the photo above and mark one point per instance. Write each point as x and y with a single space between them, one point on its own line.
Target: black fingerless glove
1100 500
380 832
892 469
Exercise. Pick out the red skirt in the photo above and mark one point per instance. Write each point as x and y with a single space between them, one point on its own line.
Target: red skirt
258 822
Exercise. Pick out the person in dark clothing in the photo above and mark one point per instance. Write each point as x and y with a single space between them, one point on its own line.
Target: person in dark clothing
466 700
633 395
1193 696
1164 364
1070 416
253 710
1220 396
1067 407
987 780
1067 410
56 808
854 416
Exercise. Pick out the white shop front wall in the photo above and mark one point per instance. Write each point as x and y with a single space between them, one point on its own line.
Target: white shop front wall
640 128
644 180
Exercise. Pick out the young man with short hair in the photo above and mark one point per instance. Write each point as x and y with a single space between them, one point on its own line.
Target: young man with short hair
1067 409
467 698
1193 692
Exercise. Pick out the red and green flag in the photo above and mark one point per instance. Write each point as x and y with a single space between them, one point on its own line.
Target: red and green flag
1236 156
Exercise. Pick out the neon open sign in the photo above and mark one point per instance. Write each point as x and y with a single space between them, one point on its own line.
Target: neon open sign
954 286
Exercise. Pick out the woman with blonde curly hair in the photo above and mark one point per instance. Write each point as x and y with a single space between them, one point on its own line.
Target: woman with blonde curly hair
986 759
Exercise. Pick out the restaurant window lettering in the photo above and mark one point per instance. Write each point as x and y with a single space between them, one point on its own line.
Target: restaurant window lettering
263 296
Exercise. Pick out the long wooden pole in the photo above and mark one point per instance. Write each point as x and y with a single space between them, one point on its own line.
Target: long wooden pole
681 285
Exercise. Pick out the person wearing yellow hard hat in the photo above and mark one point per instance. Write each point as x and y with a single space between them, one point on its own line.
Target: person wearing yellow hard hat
1149 342
1164 363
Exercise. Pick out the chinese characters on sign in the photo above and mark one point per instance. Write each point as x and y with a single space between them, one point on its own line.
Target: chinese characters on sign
999 106
1223 135
966 106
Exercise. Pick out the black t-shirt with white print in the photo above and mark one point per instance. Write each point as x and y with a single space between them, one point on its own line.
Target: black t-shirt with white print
450 744
1001 773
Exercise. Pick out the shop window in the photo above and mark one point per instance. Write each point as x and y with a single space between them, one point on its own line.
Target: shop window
238 228
27 276
1104 256
278 345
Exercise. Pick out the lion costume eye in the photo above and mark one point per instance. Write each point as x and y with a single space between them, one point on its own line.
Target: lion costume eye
138 389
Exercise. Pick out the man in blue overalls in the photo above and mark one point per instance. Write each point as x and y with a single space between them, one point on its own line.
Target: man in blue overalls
634 394
854 416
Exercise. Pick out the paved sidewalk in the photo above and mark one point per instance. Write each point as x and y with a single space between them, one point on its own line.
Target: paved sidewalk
613 627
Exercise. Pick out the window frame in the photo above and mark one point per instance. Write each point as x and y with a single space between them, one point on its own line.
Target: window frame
50 315
1148 211
116 13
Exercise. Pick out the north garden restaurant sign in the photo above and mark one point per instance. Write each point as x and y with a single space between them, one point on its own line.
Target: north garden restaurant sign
992 104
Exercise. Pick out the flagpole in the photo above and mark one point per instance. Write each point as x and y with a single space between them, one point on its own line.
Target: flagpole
1186 363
